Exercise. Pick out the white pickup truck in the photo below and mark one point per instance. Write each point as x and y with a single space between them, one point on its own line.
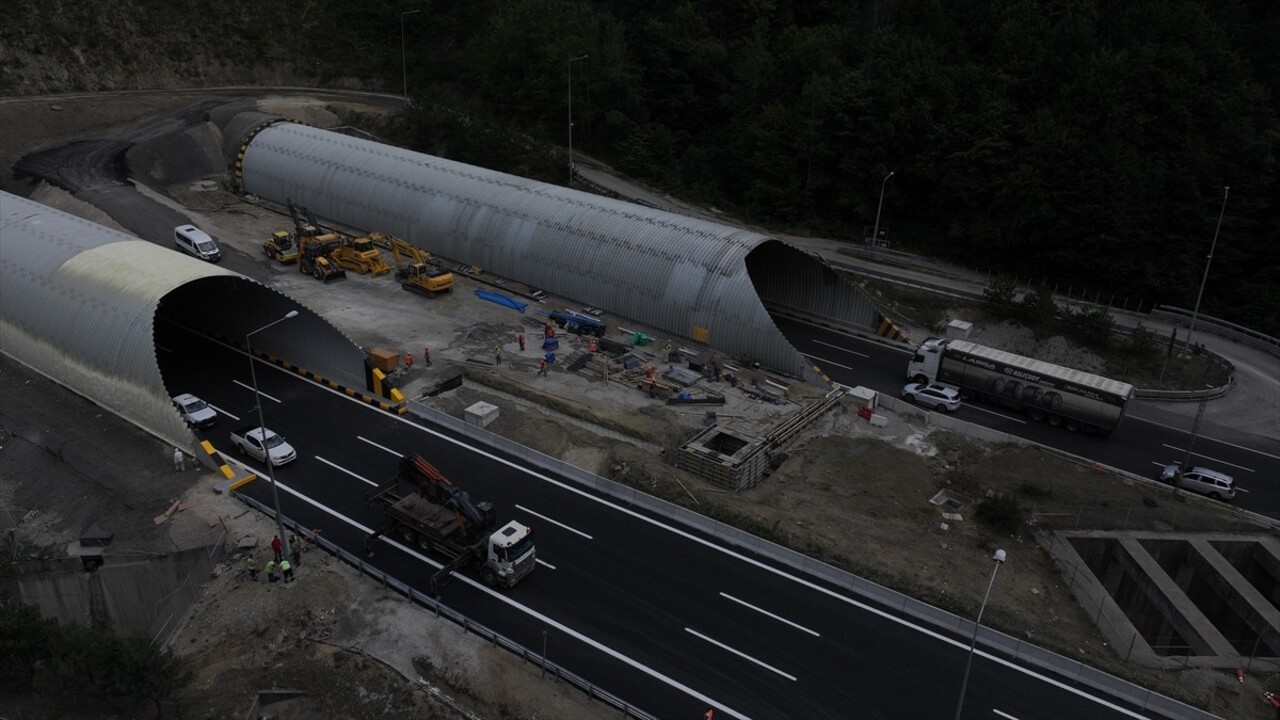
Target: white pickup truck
257 442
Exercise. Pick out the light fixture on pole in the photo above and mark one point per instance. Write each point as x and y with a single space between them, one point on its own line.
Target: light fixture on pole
404 64
262 425
998 557
875 232
571 62
1195 313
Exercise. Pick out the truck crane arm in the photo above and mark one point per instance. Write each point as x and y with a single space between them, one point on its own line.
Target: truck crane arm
429 482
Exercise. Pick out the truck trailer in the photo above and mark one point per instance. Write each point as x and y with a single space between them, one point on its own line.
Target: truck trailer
434 515
1051 393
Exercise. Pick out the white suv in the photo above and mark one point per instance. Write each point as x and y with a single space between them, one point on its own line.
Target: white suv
1204 481
935 396
195 411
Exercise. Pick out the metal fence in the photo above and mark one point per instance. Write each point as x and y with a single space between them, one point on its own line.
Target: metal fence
1229 330
1169 517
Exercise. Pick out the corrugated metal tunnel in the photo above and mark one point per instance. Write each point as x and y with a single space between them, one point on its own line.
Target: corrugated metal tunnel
82 304
700 280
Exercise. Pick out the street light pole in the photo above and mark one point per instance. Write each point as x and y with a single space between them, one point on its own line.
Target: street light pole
571 62
1195 314
262 425
404 64
875 233
998 557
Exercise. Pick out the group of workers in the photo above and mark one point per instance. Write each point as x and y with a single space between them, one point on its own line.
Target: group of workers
278 561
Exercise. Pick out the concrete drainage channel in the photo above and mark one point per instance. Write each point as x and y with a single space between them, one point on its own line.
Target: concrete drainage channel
1179 599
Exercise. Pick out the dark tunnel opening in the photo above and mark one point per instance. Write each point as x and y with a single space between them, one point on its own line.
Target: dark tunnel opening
200 330
799 285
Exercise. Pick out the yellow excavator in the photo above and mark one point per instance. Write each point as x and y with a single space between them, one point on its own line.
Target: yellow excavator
413 268
361 255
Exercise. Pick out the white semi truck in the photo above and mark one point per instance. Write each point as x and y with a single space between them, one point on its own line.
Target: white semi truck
1060 396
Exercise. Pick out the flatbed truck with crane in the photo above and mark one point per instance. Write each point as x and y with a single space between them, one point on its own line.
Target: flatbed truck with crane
434 515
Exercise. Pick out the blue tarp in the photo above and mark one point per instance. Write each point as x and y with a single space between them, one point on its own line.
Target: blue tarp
501 299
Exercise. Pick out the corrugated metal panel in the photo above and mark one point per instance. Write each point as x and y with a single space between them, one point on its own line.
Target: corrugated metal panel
662 269
79 301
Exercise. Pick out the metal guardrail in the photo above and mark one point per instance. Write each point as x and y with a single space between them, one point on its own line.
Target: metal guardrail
992 642
1229 330
467 624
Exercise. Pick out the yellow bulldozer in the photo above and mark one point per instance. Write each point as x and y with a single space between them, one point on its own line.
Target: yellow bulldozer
414 269
361 255
281 246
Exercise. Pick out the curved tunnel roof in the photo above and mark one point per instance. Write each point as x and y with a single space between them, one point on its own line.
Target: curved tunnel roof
80 302
696 279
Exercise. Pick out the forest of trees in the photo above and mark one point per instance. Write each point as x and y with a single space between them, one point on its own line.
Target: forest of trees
1084 142
1080 142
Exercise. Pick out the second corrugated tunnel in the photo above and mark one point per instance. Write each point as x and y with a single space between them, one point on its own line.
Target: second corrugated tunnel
700 280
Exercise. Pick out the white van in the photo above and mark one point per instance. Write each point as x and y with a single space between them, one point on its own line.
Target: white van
193 240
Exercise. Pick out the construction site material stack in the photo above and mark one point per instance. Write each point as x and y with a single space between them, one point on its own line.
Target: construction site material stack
435 515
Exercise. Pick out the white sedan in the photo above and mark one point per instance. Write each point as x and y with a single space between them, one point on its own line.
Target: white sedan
932 395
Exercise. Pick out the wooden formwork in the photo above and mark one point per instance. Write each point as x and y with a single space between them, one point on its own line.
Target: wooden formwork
724 457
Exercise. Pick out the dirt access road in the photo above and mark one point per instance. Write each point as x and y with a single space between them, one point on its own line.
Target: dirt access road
847 492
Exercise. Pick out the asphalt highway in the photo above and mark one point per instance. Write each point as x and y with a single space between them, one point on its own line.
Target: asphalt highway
1140 445
660 615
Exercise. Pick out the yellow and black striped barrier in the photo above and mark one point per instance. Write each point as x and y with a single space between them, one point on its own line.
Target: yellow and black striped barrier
890 330
236 477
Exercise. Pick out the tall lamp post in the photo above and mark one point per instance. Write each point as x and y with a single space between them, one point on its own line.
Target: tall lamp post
404 64
875 233
571 62
262 424
1195 314
998 557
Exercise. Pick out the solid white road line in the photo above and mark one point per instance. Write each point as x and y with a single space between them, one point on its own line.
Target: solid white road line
1002 416
554 522
250 389
1207 457
740 654
1005 715
338 467
762 611
567 487
500 597
842 349
380 447
825 361
224 412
